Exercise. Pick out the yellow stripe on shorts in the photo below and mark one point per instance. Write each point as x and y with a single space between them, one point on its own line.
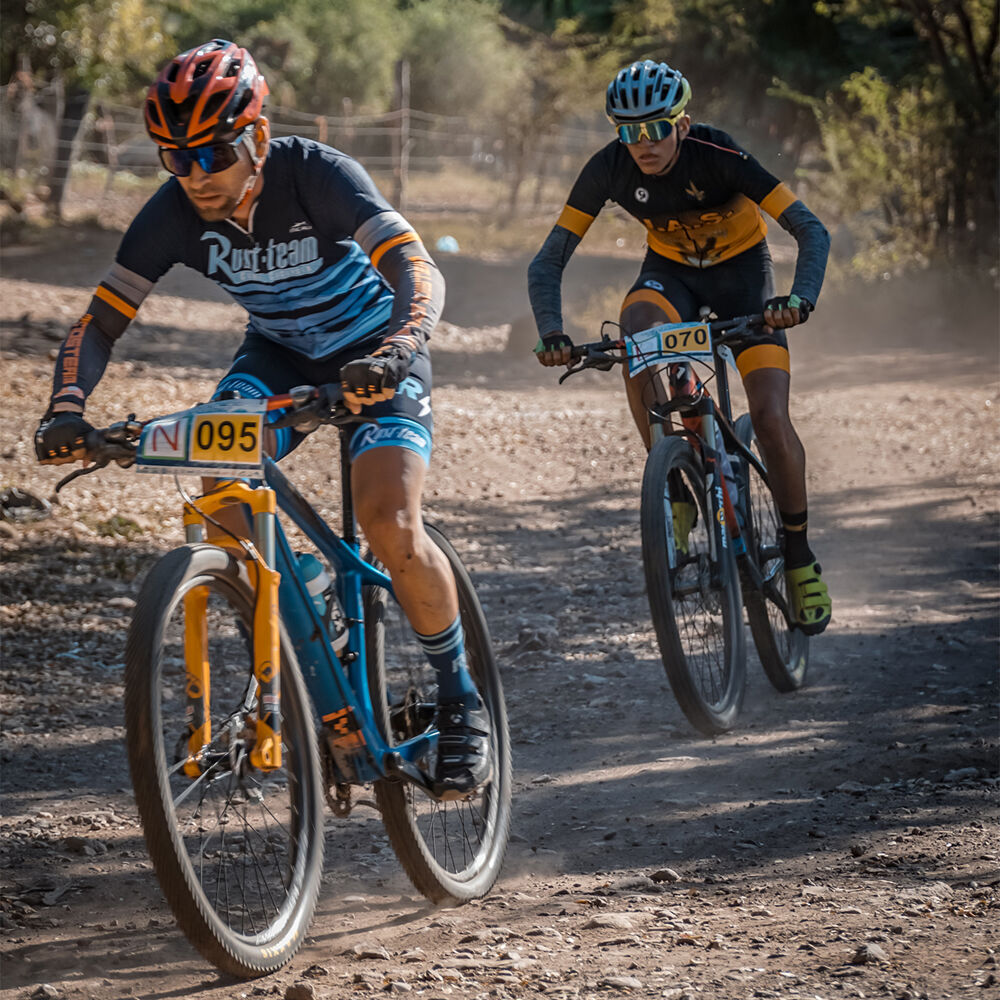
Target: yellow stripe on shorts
763 356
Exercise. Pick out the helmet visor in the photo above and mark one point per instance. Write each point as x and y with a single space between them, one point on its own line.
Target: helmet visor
212 158
654 131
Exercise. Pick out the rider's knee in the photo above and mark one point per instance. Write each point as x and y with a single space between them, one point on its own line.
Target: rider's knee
395 534
770 420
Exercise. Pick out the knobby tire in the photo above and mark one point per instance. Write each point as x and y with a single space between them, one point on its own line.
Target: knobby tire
698 626
783 652
452 851
243 896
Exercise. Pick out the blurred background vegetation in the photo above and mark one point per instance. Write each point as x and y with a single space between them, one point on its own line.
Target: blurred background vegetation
881 114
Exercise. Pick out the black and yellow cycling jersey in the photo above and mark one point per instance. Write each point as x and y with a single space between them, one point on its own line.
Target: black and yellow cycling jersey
708 208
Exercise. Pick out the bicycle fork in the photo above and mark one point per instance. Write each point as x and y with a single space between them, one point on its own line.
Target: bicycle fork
702 430
259 558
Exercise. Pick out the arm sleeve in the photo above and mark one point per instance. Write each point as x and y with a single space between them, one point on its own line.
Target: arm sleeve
586 199
779 201
396 252
814 248
545 279
86 350
140 261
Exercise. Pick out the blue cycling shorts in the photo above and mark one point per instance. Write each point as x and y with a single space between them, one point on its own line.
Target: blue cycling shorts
264 368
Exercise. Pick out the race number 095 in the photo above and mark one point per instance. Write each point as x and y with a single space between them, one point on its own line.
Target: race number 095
219 436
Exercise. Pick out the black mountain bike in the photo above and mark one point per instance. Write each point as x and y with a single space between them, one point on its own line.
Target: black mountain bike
711 532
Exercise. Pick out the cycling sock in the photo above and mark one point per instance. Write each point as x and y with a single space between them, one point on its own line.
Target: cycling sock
797 551
446 654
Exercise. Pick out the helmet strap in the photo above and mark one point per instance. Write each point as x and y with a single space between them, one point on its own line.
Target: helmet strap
249 140
674 158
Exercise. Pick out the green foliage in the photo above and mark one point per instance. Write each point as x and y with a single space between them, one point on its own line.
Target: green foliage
460 61
104 47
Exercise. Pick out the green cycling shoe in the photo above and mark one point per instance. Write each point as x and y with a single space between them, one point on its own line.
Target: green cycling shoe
811 604
684 515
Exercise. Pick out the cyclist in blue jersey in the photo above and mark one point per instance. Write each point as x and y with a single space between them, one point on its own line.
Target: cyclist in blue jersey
699 196
337 287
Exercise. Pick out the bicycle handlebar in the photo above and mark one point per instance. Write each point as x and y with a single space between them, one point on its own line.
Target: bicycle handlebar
598 354
308 407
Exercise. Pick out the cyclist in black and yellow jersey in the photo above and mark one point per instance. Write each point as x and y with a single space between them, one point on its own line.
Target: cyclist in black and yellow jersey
700 197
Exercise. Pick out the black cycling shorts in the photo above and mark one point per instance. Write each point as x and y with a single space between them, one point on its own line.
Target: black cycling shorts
738 286
264 368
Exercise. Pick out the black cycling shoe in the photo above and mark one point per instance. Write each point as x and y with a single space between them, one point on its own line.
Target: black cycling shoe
463 755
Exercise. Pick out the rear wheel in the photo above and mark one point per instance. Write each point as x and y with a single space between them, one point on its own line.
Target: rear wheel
695 605
238 851
452 851
783 651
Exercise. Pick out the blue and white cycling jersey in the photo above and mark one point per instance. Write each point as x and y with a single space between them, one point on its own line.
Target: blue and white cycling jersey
299 273
306 269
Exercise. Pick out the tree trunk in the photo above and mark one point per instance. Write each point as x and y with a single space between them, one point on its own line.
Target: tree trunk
74 109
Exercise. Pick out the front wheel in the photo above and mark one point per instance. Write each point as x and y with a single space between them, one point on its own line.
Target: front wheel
783 651
694 599
238 851
452 851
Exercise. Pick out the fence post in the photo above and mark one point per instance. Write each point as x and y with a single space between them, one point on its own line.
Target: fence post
401 137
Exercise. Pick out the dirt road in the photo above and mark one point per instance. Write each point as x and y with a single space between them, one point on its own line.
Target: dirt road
841 842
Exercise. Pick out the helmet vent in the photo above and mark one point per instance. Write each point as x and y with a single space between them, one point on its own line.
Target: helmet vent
213 104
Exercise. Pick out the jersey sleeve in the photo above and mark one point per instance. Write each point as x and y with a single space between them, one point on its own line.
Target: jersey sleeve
341 195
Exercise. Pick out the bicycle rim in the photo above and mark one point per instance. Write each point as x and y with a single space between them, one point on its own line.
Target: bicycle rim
783 651
451 851
698 622
238 851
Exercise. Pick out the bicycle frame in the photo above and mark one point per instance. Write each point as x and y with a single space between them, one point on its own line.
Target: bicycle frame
338 685
701 417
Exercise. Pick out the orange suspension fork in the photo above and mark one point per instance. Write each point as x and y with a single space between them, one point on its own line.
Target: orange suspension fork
266 752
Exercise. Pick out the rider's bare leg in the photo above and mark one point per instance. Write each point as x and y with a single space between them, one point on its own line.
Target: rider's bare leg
784 456
647 388
387 484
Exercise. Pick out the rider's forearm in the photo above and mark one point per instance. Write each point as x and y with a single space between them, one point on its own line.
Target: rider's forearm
79 366
419 295
85 352
814 248
545 278
397 253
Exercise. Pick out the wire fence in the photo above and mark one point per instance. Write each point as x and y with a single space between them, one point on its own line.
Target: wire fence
410 147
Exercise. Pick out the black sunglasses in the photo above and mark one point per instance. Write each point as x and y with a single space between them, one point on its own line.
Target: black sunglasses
212 159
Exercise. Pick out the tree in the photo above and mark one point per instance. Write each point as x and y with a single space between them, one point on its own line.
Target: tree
102 48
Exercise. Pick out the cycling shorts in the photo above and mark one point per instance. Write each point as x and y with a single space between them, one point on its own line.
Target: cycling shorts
738 286
264 368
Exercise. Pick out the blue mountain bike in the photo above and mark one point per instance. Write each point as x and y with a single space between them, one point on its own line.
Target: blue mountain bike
248 698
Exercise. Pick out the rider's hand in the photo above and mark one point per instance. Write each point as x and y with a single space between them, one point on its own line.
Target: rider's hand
784 311
374 378
59 438
554 349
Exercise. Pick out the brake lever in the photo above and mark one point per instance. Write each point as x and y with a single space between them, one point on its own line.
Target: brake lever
76 473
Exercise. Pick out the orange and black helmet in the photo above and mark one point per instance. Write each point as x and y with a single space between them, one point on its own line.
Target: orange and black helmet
206 94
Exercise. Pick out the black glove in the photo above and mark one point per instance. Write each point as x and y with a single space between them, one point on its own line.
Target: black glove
779 303
59 436
382 370
553 342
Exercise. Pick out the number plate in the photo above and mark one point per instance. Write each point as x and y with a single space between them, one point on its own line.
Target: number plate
220 439
668 343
